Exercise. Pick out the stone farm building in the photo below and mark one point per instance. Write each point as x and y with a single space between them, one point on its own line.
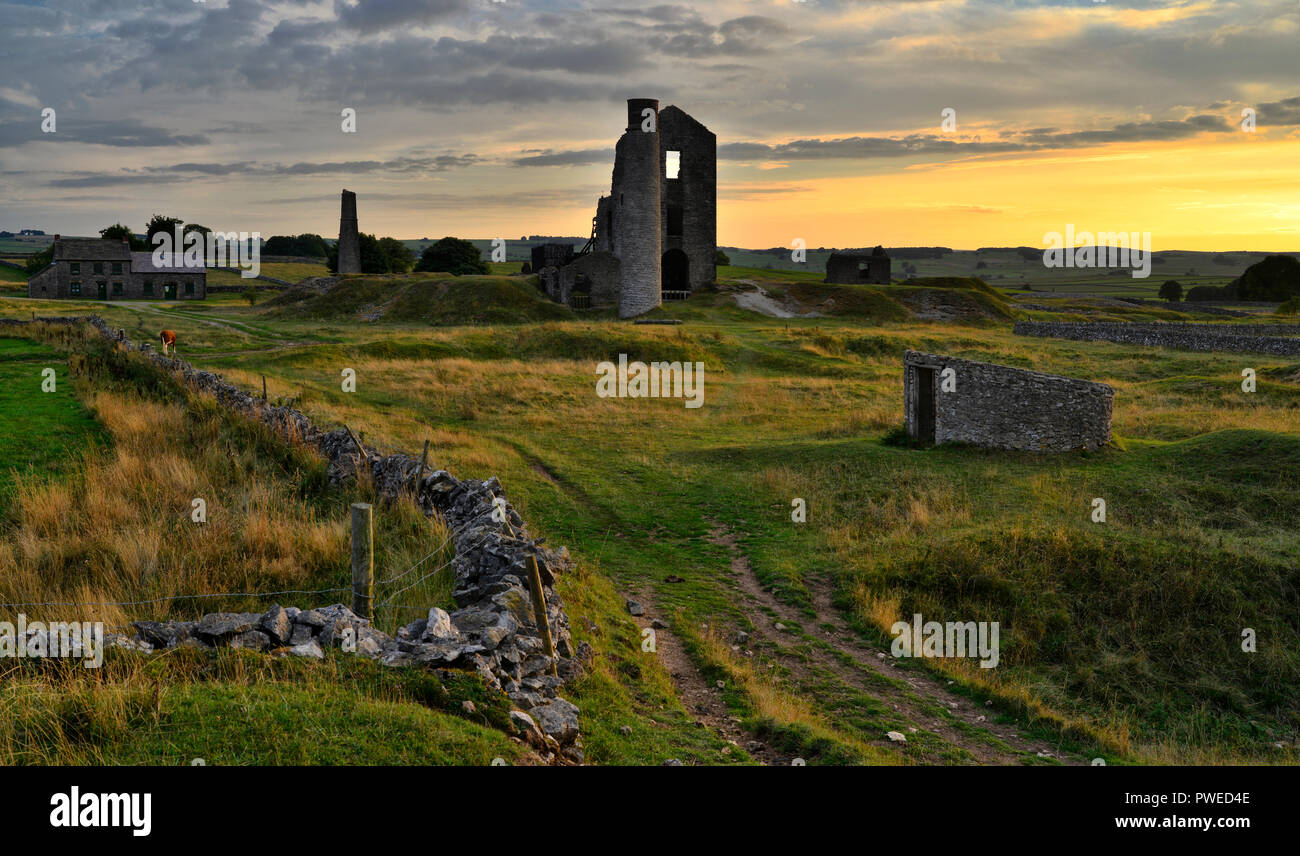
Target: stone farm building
655 236
1001 407
95 269
849 268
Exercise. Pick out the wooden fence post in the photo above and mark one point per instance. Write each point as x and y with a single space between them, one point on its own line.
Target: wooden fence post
363 561
264 389
419 476
539 609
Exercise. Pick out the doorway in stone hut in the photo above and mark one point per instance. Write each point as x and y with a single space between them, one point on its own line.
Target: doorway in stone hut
925 404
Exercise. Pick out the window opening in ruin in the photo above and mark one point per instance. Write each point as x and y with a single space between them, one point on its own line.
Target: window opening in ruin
581 284
672 165
864 270
925 404
675 221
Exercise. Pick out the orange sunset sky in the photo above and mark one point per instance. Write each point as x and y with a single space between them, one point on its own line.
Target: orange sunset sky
485 119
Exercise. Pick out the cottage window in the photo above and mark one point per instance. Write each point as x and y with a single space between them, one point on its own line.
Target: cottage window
75 286
148 288
99 267
189 287
672 164
75 267
117 267
117 288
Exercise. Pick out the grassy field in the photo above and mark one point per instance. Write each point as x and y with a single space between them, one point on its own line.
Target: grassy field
41 433
1119 640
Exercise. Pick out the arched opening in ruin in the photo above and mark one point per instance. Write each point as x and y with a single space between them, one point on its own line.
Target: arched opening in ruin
676 275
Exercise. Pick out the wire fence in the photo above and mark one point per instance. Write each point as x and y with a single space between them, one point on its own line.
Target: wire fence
387 603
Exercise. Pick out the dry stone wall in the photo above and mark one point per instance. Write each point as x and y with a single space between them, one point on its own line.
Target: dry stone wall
1276 339
492 632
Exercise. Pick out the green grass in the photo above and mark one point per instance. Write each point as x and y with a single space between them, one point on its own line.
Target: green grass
235 708
423 299
39 431
1120 640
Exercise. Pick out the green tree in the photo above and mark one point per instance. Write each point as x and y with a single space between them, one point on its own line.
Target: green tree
721 259
1274 278
373 257
251 295
161 223
118 232
398 257
37 262
452 255
1171 290
307 245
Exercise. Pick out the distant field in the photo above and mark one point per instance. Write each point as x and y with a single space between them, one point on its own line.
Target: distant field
25 244
288 271
1007 269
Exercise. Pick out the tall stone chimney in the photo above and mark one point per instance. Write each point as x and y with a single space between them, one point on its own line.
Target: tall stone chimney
637 207
349 240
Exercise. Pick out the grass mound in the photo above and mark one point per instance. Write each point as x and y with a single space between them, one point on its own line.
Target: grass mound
434 299
1146 634
847 301
960 299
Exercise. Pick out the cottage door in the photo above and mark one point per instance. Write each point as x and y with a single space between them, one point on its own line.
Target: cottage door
169 291
103 290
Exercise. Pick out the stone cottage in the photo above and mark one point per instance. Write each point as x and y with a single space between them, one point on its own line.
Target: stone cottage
950 400
96 269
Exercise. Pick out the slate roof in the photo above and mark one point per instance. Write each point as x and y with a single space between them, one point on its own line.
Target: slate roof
90 250
143 263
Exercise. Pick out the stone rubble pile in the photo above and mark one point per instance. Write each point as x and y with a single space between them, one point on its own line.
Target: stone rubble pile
493 631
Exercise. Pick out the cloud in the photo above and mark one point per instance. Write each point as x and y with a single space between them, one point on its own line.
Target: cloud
1284 112
179 172
369 16
573 158
129 133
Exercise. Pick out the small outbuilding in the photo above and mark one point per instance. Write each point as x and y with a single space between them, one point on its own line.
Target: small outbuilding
857 268
950 400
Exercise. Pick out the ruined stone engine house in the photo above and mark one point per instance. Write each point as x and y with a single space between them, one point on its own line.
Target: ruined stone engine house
654 237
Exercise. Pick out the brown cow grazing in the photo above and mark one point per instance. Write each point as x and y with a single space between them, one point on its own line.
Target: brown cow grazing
168 340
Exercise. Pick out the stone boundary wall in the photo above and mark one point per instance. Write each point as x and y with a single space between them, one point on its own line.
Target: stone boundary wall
492 632
1277 339
1001 407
